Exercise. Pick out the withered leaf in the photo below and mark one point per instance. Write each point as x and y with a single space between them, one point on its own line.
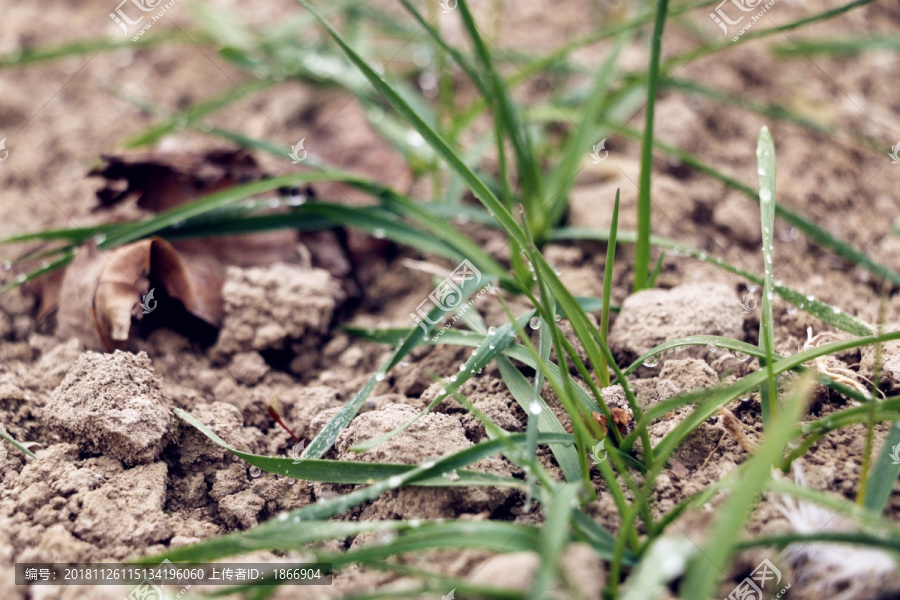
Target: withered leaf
101 290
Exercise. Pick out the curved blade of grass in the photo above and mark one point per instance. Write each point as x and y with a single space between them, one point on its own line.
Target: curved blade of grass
874 540
276 533
345 472
329 433
32 55
878 490
703 572
476 185
765 152
492 346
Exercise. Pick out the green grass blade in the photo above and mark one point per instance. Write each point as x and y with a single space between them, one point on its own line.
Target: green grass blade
887 470
492 346
345 472
21 448
765 153
818 309
546 422
526 164
706 569
329 433
476 185
562 177
642 248
607 287
554 535
815 233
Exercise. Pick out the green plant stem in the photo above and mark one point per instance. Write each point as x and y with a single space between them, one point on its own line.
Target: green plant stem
642 250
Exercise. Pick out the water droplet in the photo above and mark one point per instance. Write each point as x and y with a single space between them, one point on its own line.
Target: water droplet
711 347
453 379
765 195
426 338
670 351
651 361
283 516
394 481
770 295
21 277
379 234
557 318
6 265
535 323
791 311
414 523
741 356
535 408
99 238
462 367
379 376
296 199
811 298
274 202
492 346
491 330
255 471
291 481
761 171
428 464
836 310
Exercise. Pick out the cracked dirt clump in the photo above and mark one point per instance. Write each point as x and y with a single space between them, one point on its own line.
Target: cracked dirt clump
114 405
652 317
267 308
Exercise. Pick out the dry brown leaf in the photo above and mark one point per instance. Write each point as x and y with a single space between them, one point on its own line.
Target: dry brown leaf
102 290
